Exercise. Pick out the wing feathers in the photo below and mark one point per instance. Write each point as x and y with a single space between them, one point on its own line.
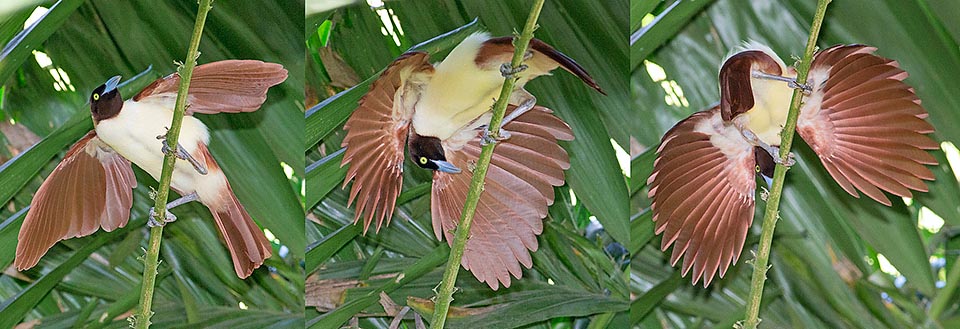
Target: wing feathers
91 188
517 192
376 136
702 197
224 86
866 125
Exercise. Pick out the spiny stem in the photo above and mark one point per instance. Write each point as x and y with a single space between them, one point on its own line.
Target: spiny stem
771 213
142 318
445 295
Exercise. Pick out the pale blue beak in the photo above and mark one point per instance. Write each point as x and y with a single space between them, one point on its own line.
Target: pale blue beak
446 167
769 181
111 84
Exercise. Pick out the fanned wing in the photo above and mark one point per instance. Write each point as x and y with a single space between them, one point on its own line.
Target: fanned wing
519 188
702 187
865 124
224 86
91 188
376 134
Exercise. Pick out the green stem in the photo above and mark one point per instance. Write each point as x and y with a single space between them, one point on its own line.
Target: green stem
771 213
943 299
445 295
185 71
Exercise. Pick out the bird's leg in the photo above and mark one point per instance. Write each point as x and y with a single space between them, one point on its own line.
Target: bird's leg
520 96
153 222
182 154
772 150
792 83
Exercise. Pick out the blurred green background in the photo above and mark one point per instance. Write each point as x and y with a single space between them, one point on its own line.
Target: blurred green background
47 73
838 262
574 282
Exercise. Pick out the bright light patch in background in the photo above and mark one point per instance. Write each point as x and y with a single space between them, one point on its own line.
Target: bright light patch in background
623 158
929 221
953 157
34 16
886 267
287 170
647 19
573 198
391 24
674 94
242 306
270 236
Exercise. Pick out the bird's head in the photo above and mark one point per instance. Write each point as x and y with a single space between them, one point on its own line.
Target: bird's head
427 152
105 101
764 165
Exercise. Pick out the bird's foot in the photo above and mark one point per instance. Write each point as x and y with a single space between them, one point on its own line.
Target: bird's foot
154 221
509 72
182 154
487 138
789 162
805 88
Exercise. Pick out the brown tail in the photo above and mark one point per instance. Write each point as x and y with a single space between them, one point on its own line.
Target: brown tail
248 246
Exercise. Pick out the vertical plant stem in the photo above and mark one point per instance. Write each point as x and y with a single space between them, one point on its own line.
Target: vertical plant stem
445 295
771 212
185 71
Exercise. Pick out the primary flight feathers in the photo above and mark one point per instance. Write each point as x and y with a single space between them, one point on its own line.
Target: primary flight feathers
866 126
92 187
438 113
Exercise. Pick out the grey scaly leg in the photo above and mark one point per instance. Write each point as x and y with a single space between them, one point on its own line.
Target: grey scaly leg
182 154
153 222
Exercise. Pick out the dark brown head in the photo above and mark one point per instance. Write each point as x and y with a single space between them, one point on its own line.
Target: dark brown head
105 101
736 93
765 164
427 152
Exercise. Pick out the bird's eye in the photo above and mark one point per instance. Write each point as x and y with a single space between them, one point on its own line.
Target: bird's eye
758 168
96 97
423 160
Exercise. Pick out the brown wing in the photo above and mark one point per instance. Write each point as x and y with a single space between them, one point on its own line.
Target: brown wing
544 59
376 134
248 245
866 125
519 188
91 188
225 86
702 188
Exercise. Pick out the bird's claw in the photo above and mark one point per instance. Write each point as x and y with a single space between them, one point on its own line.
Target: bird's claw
805 88
789 162
486 138
509 72
181 154
153 222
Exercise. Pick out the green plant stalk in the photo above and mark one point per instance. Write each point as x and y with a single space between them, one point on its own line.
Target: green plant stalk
445 295
771 212
185 71
943 299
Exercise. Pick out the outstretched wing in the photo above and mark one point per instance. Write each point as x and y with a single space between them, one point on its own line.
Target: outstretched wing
224 86
865 124
91 188
702 187
376 134
518 189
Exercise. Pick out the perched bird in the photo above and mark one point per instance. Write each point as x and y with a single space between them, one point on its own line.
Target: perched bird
864 123
92 187
439 112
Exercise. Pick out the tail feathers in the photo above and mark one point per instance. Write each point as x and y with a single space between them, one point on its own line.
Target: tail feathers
248 246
